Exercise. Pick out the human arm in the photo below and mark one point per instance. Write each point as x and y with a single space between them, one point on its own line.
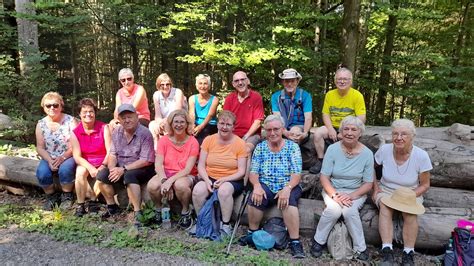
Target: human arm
424 183
210 115
77 154
184 173
139 96
284 194
253 129
41 147
179 99
192 109
328 124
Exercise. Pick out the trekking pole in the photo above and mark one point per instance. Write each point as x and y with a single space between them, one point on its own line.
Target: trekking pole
243 204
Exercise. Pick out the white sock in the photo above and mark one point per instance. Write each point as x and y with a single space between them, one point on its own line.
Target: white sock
384 245
408 250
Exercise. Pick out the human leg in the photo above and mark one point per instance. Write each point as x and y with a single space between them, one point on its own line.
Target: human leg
354 224
154 189
410 229
81 183
318 140
328 219
226 200
182 188
199 195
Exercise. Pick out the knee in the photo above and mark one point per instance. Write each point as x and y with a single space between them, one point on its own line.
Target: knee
225 191
153 185
199 190
410 219
351 213
332 213
181 187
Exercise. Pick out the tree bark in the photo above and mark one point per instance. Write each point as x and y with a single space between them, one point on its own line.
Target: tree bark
27 33
350 33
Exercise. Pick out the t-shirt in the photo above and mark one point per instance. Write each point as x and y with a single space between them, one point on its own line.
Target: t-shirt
295 108
338 107
176 157
405 175
246 113
348 173
275 169
201 112
92 145
142 109
222 160
168 104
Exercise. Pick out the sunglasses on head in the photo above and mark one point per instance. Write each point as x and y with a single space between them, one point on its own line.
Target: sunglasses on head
54 105
128 79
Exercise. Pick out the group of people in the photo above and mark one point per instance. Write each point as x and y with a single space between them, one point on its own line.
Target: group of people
188 151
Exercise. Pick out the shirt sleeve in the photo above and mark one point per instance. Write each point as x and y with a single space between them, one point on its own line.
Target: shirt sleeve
326 104
205 144
368 173
307 102
328 161
275 96
242 149
227 103
379 155
147 152
425 162
194 147
296 162
360 104
161 150
257 159
258 111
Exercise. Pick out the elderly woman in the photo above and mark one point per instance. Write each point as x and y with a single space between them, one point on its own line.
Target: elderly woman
175 166
403 165
203 108
275 175
166 99
133 94
53 146
90 145
221 166
346 177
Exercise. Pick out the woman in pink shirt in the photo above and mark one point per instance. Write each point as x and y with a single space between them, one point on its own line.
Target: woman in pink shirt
90 146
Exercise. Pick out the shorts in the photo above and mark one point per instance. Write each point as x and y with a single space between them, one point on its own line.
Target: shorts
387 192
308 151
268 202
238 186
139 176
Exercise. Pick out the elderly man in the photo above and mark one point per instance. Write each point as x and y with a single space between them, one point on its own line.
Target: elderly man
295 106
130 162
275 176
338 104
247 105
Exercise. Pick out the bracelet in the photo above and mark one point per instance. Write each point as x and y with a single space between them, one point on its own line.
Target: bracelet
333 195
124 168
64 158
289 186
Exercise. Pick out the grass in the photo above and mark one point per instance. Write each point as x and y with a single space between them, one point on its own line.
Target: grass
90 230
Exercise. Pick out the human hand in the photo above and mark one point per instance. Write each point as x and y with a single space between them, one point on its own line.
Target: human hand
93 171
343 199
332 134
196 130
257 195
209 186
166 186
115 174
283 197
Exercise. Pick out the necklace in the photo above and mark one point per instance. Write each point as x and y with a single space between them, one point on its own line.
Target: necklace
179 143
349 154
399 167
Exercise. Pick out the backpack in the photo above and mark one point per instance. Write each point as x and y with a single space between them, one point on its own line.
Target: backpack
277 228
463 245
339 242
209 219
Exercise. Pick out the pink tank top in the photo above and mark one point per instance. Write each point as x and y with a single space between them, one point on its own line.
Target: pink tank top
142 109
93 145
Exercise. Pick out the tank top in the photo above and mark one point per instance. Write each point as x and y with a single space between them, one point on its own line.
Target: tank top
142 109
57 142
202 111
93 145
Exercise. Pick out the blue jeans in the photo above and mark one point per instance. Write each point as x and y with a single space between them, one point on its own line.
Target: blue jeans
66 172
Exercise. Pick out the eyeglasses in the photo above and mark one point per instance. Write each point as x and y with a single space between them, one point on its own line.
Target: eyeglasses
225 125
404 135
126 79
54 105
239 80
275 129
165 84
87 112
290 80
343 79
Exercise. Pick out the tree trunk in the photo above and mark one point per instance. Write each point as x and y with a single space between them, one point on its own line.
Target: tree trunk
350 33
27 33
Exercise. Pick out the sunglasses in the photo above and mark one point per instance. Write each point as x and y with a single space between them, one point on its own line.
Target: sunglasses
126 79
54 105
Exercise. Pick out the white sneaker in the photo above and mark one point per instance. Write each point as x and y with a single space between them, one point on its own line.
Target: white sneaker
226 230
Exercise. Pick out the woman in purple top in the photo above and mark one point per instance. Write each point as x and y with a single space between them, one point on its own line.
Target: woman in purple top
90 145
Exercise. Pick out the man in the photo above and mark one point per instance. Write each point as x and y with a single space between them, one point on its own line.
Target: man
247 105
296 106
275 176
338 104
130 162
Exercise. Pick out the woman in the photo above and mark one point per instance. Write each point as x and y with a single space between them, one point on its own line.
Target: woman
90 146
53 146
166 99
133 94
203 108
221 166
403 165
346 178
175 166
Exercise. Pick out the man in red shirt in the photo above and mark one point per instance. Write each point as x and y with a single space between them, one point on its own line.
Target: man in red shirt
247 105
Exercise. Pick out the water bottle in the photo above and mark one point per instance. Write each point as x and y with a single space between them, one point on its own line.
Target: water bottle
165 216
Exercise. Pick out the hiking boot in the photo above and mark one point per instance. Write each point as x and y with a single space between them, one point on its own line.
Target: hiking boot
296 250
408 259
247 240
52 201
67 200
317 249
93 206
316 168
186 221
364 255
137 219
111 211
80 210
226 230
387 257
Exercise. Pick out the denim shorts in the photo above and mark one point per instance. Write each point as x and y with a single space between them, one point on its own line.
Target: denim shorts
66 172
138 176
268 202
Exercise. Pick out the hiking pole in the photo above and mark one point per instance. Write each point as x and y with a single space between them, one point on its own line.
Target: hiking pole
243 204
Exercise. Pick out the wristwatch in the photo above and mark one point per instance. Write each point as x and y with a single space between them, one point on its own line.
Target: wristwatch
333 195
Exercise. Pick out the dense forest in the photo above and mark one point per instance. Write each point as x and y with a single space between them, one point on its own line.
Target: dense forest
410 59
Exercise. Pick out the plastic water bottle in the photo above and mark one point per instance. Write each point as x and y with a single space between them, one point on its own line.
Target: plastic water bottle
165 216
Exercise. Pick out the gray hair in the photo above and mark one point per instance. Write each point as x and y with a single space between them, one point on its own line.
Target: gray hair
353 120
343 69
403 122
203 76
275 117
125 71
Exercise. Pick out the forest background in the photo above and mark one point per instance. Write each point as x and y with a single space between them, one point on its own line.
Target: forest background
410 59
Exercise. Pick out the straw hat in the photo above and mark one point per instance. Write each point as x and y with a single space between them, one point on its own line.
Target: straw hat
404 199
290 73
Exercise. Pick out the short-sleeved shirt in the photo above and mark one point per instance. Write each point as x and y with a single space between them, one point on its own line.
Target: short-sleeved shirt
92 145
201 112
222 160
247 112
168 104
348 173
140 146
338 107
302 103
406 175
57 142
275 168
142 109
175 157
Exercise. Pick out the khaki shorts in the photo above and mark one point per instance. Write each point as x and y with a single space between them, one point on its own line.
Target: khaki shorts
387 192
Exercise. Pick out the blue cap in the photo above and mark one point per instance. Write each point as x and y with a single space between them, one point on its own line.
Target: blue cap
263 240
126 107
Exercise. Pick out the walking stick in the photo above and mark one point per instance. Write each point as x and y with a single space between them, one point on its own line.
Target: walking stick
243 204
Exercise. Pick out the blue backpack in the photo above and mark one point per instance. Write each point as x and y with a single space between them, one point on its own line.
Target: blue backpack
462 252
209 219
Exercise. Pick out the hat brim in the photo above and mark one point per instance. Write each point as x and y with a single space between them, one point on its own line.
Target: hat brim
282 76
412 209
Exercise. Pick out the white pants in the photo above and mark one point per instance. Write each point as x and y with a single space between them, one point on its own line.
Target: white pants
352 220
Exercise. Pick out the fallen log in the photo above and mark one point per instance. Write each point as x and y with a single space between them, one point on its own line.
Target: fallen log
435 225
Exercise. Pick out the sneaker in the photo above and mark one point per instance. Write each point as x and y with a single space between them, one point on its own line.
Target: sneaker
186 221
246 240
316 168
296 250
111 211
157 219
387 257
317 249
226 230
80 210
52 201
67 200
93 206
137 219
408 259
364 255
